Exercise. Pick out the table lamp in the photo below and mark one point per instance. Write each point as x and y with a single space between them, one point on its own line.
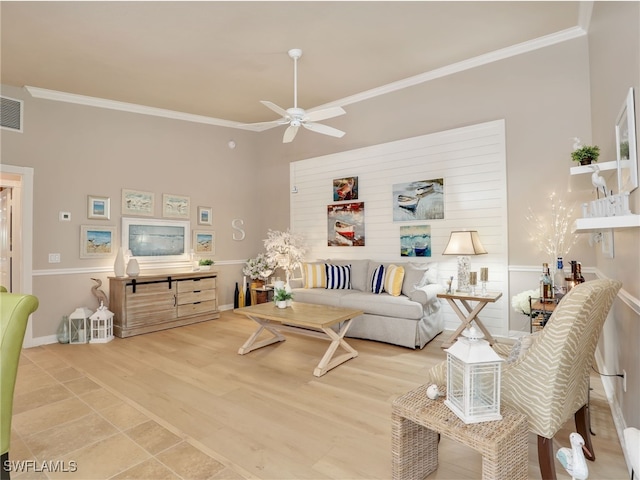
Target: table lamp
463 244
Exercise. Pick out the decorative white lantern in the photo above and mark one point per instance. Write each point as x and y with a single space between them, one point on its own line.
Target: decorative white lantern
79 331
473 378
101 325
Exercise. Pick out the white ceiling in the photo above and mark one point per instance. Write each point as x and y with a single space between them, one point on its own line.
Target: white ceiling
218 59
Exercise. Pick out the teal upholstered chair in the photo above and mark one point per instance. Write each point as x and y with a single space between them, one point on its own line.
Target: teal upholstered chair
14 312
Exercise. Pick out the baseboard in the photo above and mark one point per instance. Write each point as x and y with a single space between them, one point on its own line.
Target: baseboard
614 405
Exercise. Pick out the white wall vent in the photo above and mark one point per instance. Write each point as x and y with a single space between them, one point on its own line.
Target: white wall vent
11 114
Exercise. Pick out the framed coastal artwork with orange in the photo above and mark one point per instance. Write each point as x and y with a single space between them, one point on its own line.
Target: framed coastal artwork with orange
345 224
345 188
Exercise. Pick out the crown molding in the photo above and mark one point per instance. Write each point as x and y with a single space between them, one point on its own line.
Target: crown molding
497 55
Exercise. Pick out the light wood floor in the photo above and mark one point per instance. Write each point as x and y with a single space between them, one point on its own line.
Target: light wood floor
261 415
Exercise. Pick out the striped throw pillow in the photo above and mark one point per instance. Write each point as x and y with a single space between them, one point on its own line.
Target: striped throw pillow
314 275
377 280
338 276
393 280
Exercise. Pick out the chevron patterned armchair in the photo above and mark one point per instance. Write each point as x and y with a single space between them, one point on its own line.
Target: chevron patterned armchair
549 381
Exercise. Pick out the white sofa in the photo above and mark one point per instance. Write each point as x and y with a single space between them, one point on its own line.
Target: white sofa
410 319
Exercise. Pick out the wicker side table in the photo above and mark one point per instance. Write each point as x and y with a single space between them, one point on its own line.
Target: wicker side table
417 421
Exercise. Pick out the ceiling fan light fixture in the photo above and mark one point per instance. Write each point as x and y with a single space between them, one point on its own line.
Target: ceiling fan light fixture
297 117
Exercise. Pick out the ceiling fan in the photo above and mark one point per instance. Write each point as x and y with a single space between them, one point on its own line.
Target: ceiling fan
297 117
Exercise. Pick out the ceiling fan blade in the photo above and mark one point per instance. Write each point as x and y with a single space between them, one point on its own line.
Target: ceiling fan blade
325 113
268 125
324 129
279 110
289 134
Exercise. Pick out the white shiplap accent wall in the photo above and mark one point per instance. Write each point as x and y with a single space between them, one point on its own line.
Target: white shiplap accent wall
472 161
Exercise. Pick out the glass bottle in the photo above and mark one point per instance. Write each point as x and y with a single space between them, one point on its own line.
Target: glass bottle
546 287
559 287
236 297
579 277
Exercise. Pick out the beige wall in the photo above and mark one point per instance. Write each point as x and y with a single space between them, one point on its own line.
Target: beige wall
616 28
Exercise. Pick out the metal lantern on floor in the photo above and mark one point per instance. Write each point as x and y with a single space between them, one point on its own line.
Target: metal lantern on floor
473 378
101 325
79 329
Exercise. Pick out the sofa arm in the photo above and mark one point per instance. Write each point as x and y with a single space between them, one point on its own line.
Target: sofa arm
427 295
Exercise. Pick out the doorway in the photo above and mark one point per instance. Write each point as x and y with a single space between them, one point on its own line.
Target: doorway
16 232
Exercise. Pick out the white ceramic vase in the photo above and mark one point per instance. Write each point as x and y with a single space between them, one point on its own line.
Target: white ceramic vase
133 269
281 304
119 265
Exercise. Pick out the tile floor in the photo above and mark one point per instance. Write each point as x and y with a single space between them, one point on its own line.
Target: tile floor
64 421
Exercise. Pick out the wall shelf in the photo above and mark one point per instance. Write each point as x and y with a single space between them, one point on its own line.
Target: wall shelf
582 169
593 224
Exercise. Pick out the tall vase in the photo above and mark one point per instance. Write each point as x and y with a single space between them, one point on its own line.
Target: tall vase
133 269
119 266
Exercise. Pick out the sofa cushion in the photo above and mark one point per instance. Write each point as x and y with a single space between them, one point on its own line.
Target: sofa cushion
314 275
338 276
393 277
359 273
319 296
382 304
417 275
377 279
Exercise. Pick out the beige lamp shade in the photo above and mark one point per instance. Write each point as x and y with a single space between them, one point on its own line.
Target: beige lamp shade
465 242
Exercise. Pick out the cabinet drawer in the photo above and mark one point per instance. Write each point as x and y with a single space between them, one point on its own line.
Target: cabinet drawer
196 308
197 296
196 284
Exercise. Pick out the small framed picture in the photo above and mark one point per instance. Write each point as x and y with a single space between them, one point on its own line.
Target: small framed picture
204 242
176 206
205 216
98 208
96 241
135 202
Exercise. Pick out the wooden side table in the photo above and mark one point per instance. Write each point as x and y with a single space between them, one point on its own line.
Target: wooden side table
472 312
417 420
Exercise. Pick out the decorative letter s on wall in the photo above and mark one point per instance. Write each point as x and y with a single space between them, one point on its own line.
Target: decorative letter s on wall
236 224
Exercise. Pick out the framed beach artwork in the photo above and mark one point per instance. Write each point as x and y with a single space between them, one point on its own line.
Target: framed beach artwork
135 202
415 241
176 206
156 239
205 216
96 241
204 242
345 188
418 200
626 147
345 225
98 208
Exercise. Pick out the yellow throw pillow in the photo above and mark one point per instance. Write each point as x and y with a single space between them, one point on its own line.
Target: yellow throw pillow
315 275
393 280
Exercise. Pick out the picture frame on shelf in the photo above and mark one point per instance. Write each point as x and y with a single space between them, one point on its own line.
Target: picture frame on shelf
204 242
176 206
626 146
96 241
156 240
136 202
98 208
205 216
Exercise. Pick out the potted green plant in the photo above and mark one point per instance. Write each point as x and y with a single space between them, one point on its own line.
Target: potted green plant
282 298
205 263
586 154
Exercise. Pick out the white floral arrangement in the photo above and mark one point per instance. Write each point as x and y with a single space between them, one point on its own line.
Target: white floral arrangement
520 302
255 267
285 249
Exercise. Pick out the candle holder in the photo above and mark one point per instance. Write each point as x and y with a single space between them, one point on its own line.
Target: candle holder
484 278
473 282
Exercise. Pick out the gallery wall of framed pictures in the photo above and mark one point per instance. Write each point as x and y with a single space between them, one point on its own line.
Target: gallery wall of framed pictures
147 237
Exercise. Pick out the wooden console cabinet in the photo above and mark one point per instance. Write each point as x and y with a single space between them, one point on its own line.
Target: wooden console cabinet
148 303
